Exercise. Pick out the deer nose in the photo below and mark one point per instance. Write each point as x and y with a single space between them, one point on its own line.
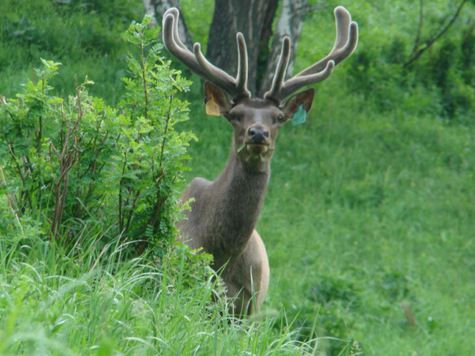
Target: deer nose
257 134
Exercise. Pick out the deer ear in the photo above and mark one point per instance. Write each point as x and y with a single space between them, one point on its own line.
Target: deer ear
216 101
303 99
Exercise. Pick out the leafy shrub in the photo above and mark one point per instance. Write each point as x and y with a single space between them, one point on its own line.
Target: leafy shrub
440 82
77 163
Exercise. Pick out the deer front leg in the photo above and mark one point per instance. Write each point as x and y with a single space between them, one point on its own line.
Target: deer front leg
247 280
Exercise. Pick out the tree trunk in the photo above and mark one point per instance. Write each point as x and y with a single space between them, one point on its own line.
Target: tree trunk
289 24
251 17
157 8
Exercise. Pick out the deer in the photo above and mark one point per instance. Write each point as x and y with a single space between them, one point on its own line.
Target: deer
224 212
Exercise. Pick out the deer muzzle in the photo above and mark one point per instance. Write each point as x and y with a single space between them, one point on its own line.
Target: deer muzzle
257 135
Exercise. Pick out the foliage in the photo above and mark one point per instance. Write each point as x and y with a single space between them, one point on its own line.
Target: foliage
99 302
152 155
96 301
77 162
444 74
82 34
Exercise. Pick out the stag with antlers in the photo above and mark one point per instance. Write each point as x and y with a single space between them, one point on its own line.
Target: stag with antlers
224 212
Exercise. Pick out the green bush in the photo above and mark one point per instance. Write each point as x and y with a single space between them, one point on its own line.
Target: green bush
77 163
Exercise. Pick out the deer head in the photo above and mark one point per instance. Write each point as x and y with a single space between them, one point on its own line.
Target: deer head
256 121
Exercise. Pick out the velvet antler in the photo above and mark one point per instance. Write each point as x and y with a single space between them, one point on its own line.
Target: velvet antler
345 43
197 62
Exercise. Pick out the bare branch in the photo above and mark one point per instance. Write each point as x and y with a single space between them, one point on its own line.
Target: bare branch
417 40
416 54
12 204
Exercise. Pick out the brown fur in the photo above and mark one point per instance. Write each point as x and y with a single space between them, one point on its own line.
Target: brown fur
224 212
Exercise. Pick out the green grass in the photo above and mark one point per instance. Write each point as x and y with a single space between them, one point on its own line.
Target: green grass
85 36
369 220
374 213
54 302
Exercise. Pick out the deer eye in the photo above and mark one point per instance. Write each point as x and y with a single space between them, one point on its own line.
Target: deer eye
235 117
278 119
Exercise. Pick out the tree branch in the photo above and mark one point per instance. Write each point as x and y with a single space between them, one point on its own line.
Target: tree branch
11 200
429 42
417 40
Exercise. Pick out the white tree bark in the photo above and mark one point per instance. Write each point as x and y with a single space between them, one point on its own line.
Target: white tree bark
289 24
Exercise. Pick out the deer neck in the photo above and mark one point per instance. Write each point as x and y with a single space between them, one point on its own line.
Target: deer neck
239 192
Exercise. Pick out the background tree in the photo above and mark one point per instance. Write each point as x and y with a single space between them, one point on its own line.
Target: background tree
254 19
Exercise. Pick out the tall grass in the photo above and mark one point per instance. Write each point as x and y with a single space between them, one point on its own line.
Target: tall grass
58 302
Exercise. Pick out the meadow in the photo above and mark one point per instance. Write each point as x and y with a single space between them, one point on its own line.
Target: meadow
369 221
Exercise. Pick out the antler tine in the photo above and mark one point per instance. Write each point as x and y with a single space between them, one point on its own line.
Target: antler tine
280 71
345 43
242 73
176 34
173 42
215 74
196 61
298 82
